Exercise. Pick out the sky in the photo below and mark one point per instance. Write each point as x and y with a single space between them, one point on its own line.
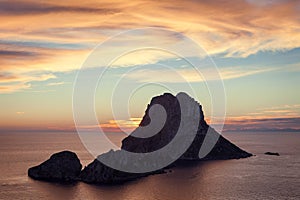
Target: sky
254 44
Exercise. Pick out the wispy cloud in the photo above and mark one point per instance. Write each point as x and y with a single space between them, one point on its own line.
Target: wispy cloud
293 67
284 117
12 53
112 125
231 29
31 8
192 75
14 87
11 83
238 28
279 111
121 125
263 124
20 113
56 83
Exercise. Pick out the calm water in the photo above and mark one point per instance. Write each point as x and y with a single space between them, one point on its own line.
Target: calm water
258 177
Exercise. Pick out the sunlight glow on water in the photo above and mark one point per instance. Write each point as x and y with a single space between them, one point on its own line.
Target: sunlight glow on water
258 177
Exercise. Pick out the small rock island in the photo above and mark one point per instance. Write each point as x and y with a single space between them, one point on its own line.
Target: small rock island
272 153
61 167
66 167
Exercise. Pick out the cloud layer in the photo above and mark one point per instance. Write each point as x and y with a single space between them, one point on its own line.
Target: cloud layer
58 35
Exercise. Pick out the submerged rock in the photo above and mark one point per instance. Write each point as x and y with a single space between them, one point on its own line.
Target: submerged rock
272 153
60 167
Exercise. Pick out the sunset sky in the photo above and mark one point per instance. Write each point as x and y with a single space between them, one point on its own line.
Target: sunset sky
255 45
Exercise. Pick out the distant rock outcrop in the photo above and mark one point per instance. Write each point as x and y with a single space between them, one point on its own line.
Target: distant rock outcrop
272 153
60 167
66 166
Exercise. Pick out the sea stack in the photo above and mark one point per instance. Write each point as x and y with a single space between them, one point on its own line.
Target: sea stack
222 150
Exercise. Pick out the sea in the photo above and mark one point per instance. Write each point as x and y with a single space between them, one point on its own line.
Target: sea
258 177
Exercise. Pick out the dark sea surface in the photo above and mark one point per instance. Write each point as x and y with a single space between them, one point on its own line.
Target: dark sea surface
258 177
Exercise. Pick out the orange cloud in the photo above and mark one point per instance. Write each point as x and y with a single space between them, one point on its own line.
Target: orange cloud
263 124
285 117
20 113
31 39
56 83
238 28
13 83
121 125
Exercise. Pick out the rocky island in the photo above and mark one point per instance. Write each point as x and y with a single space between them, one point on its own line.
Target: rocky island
272 153
60 167
67 168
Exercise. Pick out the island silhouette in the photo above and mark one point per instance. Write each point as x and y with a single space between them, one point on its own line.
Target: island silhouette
66 167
